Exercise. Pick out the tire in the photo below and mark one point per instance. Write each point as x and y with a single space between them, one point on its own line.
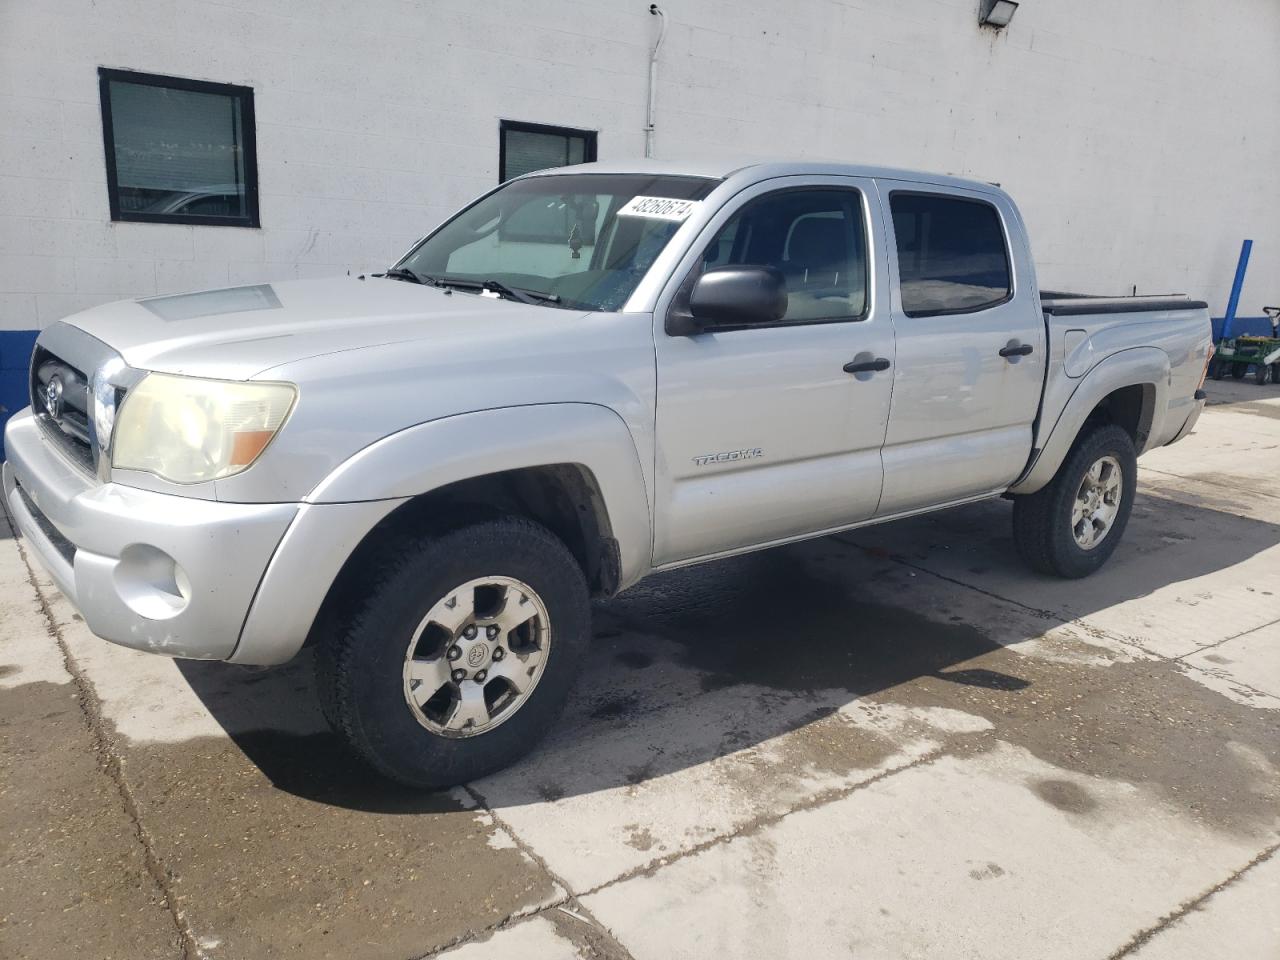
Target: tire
1262 374
367 678
1217 368
1238 370
1043 529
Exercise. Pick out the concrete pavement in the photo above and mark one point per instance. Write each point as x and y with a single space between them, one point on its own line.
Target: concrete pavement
893 743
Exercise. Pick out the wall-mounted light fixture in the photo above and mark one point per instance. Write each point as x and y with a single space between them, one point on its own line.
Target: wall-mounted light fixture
997 13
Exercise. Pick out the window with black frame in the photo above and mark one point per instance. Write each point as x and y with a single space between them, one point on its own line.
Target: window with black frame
527 147
178 151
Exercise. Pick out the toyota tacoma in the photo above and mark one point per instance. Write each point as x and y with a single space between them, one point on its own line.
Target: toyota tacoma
585 376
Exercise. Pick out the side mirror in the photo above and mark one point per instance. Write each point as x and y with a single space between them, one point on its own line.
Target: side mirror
731 297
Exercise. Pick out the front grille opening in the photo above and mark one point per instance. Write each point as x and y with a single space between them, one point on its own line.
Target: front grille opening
60 401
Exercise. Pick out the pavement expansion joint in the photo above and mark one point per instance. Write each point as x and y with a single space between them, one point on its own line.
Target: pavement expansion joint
1169 919
757 824
600 943
1234 636
110 762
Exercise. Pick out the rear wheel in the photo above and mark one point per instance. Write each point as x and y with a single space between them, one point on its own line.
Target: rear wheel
1238 370
462 655
1071 526
1217 368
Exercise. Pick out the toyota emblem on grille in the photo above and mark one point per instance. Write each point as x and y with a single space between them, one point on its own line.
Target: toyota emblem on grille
53 397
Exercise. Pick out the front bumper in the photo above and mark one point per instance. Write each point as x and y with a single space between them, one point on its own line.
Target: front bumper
166 574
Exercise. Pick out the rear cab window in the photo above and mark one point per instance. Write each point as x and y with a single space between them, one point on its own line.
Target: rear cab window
952 254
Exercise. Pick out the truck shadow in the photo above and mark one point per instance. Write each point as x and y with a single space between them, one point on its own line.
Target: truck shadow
697 663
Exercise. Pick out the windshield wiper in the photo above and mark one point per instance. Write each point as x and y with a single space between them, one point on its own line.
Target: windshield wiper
522 294
404 273
519 294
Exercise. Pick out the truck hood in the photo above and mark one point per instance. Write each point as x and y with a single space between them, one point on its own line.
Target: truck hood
239 332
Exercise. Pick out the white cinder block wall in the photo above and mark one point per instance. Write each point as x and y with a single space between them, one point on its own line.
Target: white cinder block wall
1140 137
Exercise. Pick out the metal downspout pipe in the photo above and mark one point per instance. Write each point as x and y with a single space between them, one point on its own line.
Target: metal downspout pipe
653 79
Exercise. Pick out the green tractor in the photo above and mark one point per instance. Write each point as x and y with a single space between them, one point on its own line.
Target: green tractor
1236 355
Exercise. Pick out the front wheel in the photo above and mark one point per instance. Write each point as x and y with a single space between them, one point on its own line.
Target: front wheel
1262 374
1217 368
460 656
1072 525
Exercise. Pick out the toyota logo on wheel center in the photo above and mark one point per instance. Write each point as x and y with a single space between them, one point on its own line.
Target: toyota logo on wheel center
477 655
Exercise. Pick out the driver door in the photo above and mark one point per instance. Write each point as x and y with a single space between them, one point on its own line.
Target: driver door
762 435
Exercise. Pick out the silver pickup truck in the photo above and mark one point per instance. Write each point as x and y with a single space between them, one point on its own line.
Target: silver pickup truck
585 376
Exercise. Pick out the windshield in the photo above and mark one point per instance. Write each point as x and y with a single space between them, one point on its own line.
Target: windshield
582 241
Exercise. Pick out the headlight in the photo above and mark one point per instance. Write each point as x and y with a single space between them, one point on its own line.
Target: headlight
188 430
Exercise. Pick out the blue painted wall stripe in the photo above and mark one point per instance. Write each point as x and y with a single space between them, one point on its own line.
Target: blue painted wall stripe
1243 327
15 355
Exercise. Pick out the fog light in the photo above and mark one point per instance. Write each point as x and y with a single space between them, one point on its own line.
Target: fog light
151 583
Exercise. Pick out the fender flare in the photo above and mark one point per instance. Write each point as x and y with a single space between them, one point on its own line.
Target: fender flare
432 455
340 511
1147 366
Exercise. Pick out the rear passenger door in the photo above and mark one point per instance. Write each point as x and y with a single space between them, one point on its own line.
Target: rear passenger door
970 343
762 434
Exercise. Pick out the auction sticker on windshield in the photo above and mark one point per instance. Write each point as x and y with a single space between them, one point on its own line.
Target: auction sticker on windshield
659 208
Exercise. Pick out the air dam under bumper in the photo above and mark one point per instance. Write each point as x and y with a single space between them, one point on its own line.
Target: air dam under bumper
165 574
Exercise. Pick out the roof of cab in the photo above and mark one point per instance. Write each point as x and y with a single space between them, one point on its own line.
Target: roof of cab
753 170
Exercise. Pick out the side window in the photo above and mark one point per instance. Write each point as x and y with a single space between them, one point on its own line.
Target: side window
815 237
952 256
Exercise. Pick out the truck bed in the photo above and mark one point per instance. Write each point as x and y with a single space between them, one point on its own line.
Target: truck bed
1085 332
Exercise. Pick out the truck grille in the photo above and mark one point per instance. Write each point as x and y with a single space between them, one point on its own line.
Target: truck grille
60 401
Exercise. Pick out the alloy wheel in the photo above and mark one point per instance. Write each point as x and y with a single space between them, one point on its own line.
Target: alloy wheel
476 656
1097 502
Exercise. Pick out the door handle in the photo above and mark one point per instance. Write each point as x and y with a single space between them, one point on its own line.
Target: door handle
866 366
1010 350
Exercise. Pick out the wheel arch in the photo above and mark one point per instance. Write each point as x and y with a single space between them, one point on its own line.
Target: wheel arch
572 467
1129 389
1131 408
563 497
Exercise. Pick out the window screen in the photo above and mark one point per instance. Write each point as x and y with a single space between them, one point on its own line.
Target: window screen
526 147
951 254
178 150
815 237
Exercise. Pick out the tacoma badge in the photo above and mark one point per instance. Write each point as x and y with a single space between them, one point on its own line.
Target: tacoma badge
750 453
